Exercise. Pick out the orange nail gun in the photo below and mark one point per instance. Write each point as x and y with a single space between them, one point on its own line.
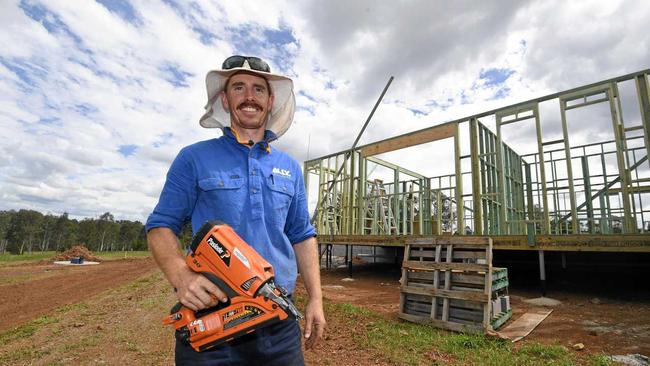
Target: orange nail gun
244 276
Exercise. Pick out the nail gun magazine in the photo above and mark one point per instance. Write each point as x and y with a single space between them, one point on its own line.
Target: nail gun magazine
254 301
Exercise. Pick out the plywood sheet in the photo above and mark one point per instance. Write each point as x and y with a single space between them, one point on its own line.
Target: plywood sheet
525 324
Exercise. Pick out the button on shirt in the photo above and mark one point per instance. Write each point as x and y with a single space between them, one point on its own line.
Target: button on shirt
258 191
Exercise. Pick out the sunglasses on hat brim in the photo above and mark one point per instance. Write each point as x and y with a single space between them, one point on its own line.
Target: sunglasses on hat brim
255 63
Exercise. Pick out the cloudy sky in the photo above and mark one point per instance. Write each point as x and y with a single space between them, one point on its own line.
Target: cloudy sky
97 97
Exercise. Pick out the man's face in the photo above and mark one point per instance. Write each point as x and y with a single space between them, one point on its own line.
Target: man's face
248 99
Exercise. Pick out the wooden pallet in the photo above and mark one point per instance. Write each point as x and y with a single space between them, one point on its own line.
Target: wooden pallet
499 279
447 282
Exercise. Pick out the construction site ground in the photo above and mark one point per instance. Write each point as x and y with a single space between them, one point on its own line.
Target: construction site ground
111 314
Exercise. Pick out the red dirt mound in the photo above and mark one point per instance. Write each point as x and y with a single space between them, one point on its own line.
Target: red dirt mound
77 251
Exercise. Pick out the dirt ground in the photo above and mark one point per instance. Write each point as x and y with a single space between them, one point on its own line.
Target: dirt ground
612 324
607 324
36 289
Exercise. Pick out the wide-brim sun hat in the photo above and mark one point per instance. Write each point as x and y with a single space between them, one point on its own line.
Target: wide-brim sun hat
281 115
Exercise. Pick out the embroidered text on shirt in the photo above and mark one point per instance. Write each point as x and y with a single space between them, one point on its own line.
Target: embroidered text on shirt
282 172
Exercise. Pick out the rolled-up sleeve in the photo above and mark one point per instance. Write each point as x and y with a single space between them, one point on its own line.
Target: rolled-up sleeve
298 226
178 196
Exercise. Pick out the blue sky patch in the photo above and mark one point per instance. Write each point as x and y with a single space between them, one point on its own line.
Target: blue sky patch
85 108
501 93
175 76
443 106
417 112
123 9
163 139
494 76
279 37
49 121
464 99
50 21
92 66
304 94
205 36
25 71
247 42
310 109
243 42
127 150
175 6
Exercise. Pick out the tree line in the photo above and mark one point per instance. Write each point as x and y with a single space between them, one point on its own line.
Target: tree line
28 230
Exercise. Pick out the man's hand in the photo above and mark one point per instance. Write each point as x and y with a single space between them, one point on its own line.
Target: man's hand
193 289
197 292
307 258
314 324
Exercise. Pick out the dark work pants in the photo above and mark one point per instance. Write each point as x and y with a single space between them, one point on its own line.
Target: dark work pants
277 344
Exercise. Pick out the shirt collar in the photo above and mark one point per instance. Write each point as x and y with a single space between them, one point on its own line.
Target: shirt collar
265 144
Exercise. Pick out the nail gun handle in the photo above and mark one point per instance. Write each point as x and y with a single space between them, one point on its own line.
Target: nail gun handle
223 286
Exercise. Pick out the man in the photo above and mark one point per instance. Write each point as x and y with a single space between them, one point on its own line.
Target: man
256 189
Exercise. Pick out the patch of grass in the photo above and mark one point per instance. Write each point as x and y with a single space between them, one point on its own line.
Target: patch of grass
554 354
600 360
123 255
352 309
8 258
407 343
402 343
399 342
26 330
26 353
72 307
141 283
137 333
82 343
10 280
154 301
133 347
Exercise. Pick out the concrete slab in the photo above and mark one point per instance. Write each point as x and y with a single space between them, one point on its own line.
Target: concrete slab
68 263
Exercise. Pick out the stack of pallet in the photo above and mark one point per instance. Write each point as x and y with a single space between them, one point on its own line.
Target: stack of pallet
450 282
501 310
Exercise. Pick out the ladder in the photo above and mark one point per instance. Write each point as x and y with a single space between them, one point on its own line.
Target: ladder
380 218
331 212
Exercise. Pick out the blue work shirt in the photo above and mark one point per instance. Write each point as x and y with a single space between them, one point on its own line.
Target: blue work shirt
259 191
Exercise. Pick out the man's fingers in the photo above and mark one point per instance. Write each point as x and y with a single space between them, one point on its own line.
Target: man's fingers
213 289
316 336
207 293
320 330
205 298
308 324
191 302
314 324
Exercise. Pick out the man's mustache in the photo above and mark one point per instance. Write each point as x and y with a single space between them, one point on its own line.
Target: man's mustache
250 104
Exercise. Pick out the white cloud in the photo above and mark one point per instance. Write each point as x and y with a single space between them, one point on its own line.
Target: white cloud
79 81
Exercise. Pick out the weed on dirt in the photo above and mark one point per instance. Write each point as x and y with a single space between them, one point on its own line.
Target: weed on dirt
404 343
15 259
122 326
111 328
8 258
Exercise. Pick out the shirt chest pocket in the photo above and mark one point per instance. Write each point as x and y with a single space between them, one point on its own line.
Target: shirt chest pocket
278 198
223 197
